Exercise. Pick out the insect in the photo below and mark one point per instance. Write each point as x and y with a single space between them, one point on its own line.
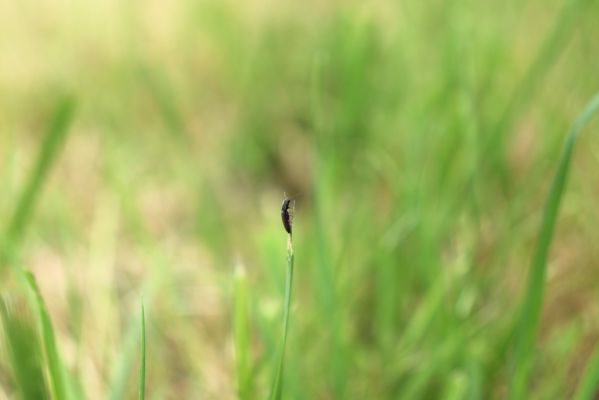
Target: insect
287 214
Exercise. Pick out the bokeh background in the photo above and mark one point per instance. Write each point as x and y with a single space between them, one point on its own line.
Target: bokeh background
419 139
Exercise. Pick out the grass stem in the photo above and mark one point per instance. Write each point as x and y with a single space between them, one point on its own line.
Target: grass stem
527 325
277 385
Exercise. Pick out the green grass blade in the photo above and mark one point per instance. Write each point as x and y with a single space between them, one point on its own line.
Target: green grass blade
542 63
24 354
526 327
142 364
53 140
124 362
164 97
277 384
56 370
587 388
242 334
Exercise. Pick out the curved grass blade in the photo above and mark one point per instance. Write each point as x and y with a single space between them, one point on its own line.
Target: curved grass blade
142 364
550 49
53 140
24 354
163 94
124 363
277 384
242 334
57 373
526 327
123 366
589 384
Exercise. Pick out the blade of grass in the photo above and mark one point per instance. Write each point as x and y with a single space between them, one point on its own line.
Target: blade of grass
327 292
142 364
164 96
53 140
549 50
24 354
242 336
526 327
589 383
123 364
57 373
277 384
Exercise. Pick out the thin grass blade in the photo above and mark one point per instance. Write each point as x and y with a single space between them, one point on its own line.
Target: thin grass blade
48 152
162 93
142 364
277 384
57 373
24 354
242 335
588 388
125 362
526 327
555 41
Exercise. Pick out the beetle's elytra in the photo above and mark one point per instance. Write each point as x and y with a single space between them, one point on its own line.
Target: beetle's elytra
285 215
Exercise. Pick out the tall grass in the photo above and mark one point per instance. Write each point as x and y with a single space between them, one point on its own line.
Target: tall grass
24 352
56 371
142 361
555 41
589 382
54 137
242 333
277 383
530 312
30 358
422 135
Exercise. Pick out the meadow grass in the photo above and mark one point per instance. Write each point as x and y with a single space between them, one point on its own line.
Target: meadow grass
25 203
57 375
527 326
277 384
590 380
23 354
20 335
424 138
142 362
242 334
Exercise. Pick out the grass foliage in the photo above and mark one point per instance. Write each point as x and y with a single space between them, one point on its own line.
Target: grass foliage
420 140
142 362
531 306
57 375
277 385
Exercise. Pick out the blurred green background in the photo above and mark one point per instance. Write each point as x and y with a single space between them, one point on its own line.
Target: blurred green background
419 139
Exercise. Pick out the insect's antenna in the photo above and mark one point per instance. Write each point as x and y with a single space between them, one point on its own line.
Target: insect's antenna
294 196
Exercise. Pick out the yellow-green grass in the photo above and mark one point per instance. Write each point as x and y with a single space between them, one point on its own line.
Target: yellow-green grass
422 140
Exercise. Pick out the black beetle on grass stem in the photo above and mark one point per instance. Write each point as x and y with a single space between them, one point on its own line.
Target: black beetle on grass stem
287 214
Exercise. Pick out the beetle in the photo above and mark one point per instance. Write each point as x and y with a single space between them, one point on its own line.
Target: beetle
287 214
